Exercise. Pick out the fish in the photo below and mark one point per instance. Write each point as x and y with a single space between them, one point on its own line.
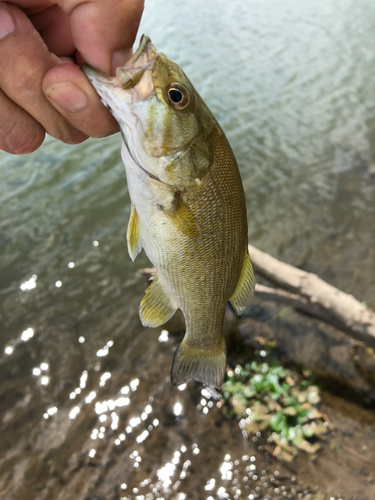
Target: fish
188 208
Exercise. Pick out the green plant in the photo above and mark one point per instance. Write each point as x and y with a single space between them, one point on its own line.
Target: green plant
278 402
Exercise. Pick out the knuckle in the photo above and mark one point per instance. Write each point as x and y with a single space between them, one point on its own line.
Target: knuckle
24 59
67 133
19 133
26 76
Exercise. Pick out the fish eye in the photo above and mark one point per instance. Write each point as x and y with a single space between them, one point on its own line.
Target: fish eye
175 95
178 96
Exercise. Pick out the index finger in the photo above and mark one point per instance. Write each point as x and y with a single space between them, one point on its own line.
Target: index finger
104 31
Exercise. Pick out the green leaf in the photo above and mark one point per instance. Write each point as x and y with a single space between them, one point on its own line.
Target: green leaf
279 371
264 368
249 391
277 421
307 431
282 405
293 432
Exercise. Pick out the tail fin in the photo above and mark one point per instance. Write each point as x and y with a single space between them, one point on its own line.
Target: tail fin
204 364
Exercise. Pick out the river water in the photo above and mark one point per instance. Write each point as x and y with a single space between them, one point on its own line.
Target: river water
293 86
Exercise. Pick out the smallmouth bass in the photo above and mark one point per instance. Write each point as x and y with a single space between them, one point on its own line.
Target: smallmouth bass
188 206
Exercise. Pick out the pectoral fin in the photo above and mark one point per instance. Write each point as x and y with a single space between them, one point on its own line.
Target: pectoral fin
133 235
243 294
157 306
180 215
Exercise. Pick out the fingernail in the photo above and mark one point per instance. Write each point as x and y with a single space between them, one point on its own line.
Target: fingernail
7 25
67 96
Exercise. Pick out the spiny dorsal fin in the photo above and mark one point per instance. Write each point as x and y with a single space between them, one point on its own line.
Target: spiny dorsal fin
243 294
204 364
132 235
180 215
157 307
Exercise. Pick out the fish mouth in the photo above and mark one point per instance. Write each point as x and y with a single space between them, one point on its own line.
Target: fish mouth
118 92
127 76
132 71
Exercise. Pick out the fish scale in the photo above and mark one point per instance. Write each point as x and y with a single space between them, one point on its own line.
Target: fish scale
188 207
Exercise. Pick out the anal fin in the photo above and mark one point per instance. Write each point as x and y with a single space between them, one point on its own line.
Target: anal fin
243 294
133 235
157 307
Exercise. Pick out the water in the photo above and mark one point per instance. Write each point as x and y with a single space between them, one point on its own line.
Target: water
292 84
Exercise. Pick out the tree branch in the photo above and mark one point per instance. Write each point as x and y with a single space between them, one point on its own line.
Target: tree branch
314 296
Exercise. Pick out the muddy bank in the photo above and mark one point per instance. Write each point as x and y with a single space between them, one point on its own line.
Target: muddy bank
343 365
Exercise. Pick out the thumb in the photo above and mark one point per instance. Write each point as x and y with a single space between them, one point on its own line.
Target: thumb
104 31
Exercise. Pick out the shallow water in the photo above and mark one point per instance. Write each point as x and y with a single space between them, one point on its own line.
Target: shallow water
293 86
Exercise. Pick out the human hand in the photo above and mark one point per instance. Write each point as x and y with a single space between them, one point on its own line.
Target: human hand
42 89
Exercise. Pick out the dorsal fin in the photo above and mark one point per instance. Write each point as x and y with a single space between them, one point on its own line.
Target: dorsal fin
243 294
157 307
133 235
